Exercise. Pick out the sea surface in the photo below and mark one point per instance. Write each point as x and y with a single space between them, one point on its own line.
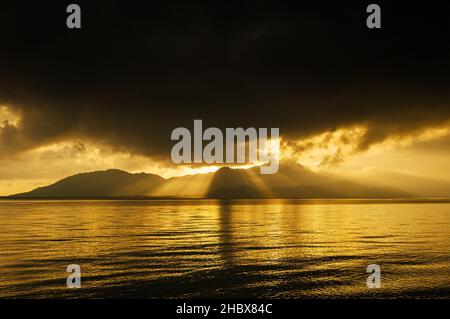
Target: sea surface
215 249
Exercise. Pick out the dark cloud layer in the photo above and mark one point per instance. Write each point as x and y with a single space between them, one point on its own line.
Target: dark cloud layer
137 70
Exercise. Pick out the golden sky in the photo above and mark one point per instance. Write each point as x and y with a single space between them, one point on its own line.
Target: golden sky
348 100
421 153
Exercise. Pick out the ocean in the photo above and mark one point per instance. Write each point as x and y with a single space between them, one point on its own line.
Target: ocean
224 248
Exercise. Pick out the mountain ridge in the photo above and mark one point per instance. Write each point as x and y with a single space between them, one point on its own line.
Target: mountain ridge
291 182
108 183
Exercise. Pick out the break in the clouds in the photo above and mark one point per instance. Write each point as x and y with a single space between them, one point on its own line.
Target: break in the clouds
135 71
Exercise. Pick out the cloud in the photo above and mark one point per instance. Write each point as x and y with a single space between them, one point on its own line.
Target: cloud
135 72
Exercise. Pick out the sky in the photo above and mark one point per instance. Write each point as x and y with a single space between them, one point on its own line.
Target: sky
348 100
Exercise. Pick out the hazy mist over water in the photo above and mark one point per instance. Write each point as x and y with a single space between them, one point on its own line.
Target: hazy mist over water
213 248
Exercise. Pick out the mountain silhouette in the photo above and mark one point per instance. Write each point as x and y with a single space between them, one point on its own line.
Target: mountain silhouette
110 183
291 181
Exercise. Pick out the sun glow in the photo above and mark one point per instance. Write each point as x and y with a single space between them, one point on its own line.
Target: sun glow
8 117
334 151
326 148
330 149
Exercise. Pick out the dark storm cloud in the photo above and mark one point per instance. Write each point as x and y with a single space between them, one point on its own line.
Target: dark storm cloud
136 71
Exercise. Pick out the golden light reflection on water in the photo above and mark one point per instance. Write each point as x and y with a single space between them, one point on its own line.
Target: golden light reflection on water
211 248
